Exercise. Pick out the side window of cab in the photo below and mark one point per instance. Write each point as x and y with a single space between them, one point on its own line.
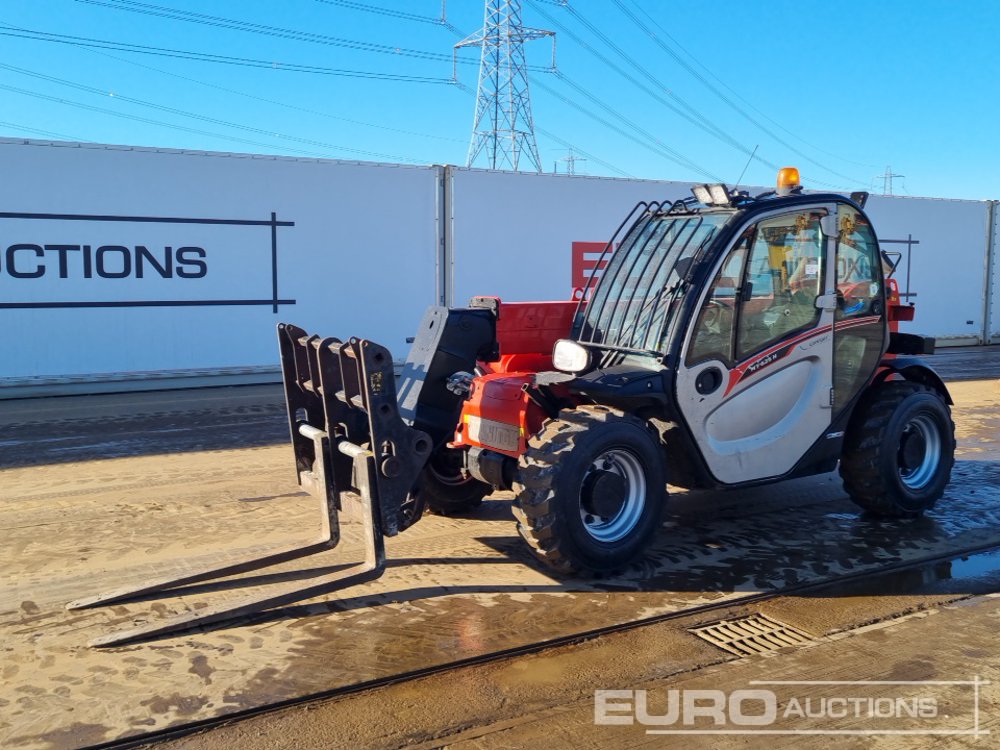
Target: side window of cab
859 276
859 328
716 322
784 275
765 290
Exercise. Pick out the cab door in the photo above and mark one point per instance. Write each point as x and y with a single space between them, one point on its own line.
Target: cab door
754 381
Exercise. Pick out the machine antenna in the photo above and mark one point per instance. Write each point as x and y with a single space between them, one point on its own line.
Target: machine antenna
746 167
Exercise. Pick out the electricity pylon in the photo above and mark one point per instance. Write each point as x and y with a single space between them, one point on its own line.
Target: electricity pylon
503 129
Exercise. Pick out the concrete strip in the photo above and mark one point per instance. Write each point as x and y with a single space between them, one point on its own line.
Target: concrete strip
924 648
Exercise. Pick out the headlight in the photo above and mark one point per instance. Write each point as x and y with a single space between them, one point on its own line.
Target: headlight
569 356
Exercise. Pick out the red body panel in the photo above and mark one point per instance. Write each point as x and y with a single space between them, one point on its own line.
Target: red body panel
897 310
532 328
498 414
497 404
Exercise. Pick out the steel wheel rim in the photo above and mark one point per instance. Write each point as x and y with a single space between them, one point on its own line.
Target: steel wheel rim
918 477
627 465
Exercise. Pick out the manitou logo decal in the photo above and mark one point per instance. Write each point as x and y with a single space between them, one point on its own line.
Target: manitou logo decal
84 260
762 362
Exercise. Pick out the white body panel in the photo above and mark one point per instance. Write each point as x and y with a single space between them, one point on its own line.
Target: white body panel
759 422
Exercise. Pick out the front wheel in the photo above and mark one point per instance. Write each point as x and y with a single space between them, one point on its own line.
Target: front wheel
590 490
899 450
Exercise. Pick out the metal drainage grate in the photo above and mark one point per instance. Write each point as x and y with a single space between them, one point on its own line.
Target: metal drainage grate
754 634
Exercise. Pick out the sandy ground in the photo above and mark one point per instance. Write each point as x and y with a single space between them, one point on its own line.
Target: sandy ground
180 492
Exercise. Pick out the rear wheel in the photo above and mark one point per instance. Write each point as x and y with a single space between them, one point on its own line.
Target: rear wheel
590 490
899 450
446 488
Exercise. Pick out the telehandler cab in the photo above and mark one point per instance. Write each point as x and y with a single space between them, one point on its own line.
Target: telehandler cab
723 341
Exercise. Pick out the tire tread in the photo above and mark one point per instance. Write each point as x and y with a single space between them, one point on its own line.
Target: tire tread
862 459
534 508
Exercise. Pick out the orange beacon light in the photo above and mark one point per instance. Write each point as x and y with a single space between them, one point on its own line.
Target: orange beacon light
788 180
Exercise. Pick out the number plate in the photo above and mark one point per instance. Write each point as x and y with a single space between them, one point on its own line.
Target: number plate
494 434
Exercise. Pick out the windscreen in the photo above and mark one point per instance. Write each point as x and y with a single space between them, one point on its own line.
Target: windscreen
640 287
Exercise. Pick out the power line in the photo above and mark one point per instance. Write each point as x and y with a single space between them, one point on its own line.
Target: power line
149 121
735 93
548 134
182 113
708 84
173 14
203 19
647 139
39 131
590 157
681 107
277 103
77 41
392 13
95 49
698 120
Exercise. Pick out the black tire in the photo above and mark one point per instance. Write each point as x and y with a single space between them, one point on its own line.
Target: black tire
556 490
445 489
899 450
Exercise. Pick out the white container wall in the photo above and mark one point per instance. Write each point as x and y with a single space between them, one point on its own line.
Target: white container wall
513 233
118 260
530 254
942 263
127 263
993 329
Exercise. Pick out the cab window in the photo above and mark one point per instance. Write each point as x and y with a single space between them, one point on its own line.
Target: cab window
713 334
784 276
859 278
859 329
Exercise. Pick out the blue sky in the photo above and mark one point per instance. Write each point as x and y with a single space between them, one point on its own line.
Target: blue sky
840 90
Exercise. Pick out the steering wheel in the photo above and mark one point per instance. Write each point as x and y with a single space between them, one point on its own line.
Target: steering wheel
711 314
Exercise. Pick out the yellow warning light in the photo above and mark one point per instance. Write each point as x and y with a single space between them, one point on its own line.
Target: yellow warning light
788 180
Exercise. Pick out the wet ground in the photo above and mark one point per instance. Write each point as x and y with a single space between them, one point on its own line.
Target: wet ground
966 362
881 628
205 476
